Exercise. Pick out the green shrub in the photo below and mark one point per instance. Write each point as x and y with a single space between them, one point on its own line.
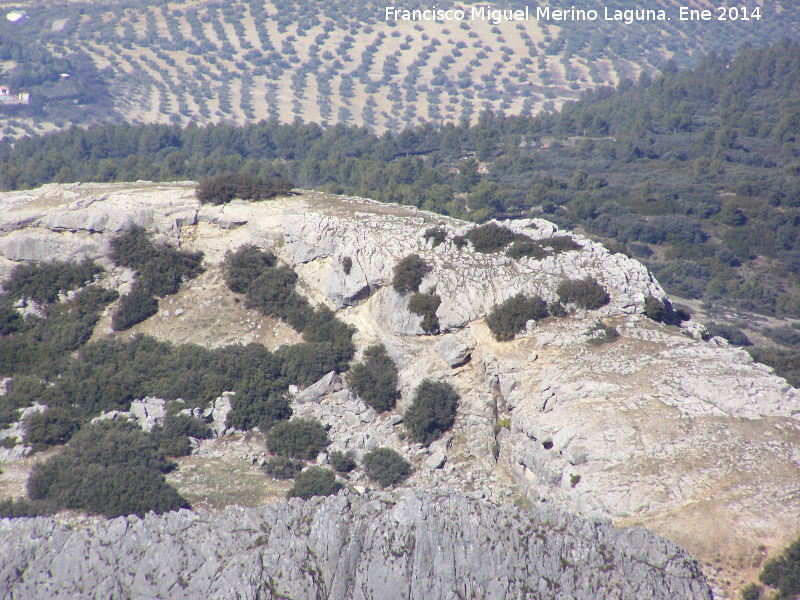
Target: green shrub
243 267
561 243
347 264
751 592
173 407
273 294
176 446
160 269
341 462
425 305
585 293
437 234
409 273
305 364
301 438
258 408
386 467
785 362
556 309
50 428
783 572
433 411
375 379
732 334
22 507
280 467
527 247
133 308
184 426
783 336
490 238
224 188
509 318
314 481
663 311
600 334
111 468
322 326
43 281
10 319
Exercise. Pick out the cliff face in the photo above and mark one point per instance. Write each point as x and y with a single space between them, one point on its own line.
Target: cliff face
689 438
415 546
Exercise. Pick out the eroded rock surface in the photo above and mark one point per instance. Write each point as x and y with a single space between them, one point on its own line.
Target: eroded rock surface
690 438
415 545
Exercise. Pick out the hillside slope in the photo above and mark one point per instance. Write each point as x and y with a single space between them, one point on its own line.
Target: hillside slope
331 62
689 438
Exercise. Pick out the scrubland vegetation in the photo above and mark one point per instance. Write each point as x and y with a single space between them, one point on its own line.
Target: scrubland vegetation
39 354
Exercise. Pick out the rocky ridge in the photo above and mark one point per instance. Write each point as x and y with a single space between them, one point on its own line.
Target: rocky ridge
414 545
691 439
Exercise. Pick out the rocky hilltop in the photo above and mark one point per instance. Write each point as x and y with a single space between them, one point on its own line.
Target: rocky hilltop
686 437
414 546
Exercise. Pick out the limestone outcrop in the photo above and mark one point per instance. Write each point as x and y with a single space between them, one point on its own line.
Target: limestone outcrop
691 438
386 546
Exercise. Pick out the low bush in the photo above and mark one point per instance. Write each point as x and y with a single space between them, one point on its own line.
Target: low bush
374 379
173 437
347 264
133 308
783 572
305 364
433 411
111 468
22 507
785 362
509 318
490 238
280 467
783 336
258 408
271 290
556 309
561 243
425 305
301 438
11 320
732 334
176 446
437 234
600 334
663 311
43 281
585 293
751 592
314 481
241 268
386 467
160 268
50 428
341 462
409 273
529 248
224 188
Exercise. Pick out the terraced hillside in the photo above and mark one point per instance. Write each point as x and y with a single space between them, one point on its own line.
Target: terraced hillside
241 61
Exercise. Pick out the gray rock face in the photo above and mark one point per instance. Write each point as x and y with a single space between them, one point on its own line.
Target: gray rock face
148 412
452 351
417 546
